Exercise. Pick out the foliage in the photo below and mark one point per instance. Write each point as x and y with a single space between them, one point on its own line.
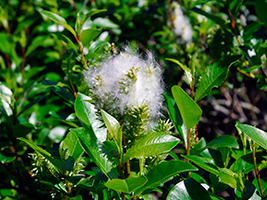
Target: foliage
83 118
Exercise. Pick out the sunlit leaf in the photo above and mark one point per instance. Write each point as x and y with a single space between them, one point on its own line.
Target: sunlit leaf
88 35
152 144
176 117
188 189
86 112
95 149
114 128
126 185
163 171
214 75
58 19
71 146
188 108
258 135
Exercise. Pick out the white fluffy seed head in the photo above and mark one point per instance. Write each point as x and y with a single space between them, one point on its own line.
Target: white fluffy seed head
182 25
110 79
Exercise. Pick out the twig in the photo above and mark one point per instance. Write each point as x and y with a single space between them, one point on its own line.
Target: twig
232 19
170 13
256 170
81 50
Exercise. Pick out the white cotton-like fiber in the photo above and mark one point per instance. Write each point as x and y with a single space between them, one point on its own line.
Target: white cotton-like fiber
107 79
182 26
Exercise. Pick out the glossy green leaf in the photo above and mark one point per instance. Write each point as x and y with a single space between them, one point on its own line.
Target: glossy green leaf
188 189
187 71
205 163
214 75
65 164
263 185
105 23
152 144
95 149
163 171
214 18
88 35
86 183
261 7
188 108
70 44
71 146
228 177
43 153
224 141
245 163
127 185
58 19
199 147
6 159
176 117
86 112
114 129
97 46
257 135
82 18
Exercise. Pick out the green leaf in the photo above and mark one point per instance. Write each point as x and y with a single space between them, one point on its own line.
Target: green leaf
86 183
6 159
189 110
187 71
97 46
56 18
205 163
36 42
228 177
105 23
261 7
263 185
127 185
223 141
82 18
95 149
214 75
67 66
257 135
199 147
214 18
245 163
234 6
176 117
88 35
71 146
188 190
69 43
114 129
43 153
32 103
162 172
22 129
250 29
86 112
152 144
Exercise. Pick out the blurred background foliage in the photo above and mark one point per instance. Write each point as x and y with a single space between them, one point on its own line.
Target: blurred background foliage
37 95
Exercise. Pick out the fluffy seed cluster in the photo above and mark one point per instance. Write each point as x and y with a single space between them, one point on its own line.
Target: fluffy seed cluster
182 25
128 81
